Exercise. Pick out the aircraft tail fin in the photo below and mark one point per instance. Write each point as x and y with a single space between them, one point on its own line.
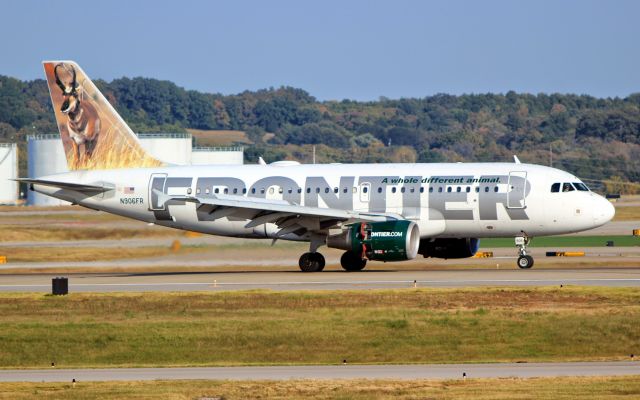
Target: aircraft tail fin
94 136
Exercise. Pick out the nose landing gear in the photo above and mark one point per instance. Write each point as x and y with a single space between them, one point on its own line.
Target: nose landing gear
525 261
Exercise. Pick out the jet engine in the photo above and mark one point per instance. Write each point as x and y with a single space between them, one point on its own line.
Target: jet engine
449 248
381 241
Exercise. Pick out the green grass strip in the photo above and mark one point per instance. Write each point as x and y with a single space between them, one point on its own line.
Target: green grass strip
565 241
260 327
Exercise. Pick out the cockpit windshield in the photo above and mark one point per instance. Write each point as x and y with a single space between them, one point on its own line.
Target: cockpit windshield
568 187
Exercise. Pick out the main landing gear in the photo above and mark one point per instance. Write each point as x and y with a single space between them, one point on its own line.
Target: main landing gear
311 262
315 262
525 261
351 261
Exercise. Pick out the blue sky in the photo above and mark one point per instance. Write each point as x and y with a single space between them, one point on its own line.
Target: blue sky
336 49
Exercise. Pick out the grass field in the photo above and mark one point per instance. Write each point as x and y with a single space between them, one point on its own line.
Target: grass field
258 328
71 254
17 233
565 241
228 251
607 388
77 215
627 214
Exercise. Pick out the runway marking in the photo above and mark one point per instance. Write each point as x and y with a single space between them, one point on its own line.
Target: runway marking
571 280
410 371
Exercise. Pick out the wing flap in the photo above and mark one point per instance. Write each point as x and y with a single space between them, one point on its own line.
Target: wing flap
280 210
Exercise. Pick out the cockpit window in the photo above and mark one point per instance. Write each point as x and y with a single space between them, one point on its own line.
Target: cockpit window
567 187
581 186
555 188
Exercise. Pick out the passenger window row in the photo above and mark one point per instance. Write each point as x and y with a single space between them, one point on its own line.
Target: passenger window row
394 189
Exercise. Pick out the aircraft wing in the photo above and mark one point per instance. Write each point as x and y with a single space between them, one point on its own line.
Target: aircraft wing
78 187
289 217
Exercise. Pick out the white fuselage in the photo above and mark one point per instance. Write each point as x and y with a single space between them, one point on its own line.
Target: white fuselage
445 200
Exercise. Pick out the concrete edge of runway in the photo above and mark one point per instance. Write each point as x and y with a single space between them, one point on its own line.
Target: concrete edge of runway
284 281
404 372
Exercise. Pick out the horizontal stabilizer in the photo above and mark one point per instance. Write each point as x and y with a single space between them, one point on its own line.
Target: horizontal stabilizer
78 187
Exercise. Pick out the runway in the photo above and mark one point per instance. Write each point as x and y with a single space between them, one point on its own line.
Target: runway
430 371
328 280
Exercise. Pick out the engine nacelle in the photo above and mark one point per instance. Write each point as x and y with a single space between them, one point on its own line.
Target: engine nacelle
382 241
449 248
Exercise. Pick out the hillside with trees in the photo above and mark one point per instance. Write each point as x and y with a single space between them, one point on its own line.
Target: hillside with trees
594 138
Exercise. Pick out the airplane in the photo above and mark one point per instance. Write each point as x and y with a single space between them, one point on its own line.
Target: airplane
374 212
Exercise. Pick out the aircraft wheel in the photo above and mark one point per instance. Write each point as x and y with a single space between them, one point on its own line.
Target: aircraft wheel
311 262
525 262
350 261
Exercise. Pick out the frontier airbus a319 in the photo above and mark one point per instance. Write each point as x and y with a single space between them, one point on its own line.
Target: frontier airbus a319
378 212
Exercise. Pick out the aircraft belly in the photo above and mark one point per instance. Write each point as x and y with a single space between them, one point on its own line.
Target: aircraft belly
222 227
461 228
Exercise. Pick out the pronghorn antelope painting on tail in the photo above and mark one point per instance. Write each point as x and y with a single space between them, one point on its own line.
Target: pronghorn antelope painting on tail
83 123
93 134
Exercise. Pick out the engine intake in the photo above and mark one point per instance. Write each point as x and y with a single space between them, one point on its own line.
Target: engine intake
449 248
382 241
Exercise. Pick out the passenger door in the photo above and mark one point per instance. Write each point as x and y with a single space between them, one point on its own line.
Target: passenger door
156 182
516 189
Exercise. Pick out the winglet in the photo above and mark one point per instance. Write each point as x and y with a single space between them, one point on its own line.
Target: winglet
516 159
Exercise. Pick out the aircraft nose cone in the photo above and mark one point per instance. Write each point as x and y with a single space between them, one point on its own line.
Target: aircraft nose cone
603 211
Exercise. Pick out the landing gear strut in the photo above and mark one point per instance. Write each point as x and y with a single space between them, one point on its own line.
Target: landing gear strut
351 261
525 261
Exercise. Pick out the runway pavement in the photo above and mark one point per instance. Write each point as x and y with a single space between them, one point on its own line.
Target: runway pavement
434 371
328 280
287 256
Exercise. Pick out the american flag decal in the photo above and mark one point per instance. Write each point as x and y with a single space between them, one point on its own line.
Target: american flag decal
129 190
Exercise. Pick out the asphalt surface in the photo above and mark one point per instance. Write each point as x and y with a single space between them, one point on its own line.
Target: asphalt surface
434 371
328 280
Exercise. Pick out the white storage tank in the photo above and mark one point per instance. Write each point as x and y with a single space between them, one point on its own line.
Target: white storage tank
217 155
46 156
173 148
8 171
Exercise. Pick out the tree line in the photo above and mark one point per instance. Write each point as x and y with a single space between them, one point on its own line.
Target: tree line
593 137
